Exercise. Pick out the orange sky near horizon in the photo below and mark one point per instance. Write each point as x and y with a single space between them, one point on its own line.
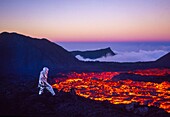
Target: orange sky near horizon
88 20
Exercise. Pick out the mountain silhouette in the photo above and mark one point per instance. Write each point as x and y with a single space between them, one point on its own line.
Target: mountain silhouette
164 60
23 55
94 54
26 55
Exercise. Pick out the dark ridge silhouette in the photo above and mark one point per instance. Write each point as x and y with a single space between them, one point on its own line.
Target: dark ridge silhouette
26 55
23 55
164 60
94 54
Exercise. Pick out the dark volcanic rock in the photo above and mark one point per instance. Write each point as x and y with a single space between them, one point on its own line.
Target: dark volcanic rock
164 60
94 54
25 55
22 99
145 111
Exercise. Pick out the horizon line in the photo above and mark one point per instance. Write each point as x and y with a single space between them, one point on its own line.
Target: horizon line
93 41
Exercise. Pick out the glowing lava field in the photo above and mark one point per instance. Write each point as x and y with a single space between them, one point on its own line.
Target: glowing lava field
102 86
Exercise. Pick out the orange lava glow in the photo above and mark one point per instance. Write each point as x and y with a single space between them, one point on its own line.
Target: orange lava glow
102 86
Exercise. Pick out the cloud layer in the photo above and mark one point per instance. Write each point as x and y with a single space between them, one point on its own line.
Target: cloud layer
132 56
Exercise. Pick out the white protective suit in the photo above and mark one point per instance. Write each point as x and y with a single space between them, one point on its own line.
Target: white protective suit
43 82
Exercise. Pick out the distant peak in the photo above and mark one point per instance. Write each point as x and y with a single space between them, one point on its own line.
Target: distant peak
108 48
9 33
4 33
105 49
94 54
44 39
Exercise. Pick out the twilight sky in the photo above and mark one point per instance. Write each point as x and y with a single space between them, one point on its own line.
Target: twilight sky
88 20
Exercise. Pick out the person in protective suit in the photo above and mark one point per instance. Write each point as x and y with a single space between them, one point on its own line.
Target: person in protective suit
43 82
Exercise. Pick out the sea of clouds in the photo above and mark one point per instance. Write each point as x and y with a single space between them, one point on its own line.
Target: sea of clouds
132 56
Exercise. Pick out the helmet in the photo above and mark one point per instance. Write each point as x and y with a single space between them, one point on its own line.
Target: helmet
45 69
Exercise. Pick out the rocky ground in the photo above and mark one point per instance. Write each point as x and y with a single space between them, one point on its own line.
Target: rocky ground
20 98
